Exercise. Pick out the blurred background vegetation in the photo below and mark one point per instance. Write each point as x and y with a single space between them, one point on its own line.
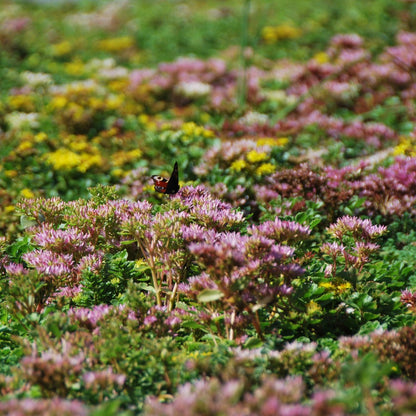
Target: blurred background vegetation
165 29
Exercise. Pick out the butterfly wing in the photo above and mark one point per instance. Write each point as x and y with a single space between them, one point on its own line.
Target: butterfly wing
173 184
167 186
160 183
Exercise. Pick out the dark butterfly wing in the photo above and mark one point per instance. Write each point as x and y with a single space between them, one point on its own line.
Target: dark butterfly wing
167 186
173 184
160 183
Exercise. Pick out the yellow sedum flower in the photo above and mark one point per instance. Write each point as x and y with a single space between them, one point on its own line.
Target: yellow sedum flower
123 157
313 308
268 34
118 172
205 117
78 146
115 101
58 102
11 173
9 208
192 129
271 34
406 147
143 119
238 165
89 160
265 169
21 102
335 287
272 141
62 48
27 193
118 85
321 57
40 137
76 67
253 156
138 264
116 44
115 281
24 145
63 159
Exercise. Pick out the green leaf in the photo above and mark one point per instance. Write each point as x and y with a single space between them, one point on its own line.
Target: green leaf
253 342
210 295
194 325
315 222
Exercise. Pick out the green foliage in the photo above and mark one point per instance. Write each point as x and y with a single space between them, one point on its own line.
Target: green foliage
126 321
108 285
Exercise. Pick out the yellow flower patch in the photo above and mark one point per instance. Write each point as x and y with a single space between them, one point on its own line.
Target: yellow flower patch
335 287
24 145
192 129
27 193
273 141
21 102
63 159
265 169
116 44
321 57
272 34
121 158
58 102
75 67
253 156
62 48
406 146
40 137
238 165
11 173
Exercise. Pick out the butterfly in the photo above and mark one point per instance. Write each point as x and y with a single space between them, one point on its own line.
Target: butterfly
167 186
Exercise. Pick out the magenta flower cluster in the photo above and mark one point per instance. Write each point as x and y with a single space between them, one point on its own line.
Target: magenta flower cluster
347 77
273 397
388 191
242 272
353 243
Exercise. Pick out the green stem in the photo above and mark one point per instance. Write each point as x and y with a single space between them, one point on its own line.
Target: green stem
242 90
148 256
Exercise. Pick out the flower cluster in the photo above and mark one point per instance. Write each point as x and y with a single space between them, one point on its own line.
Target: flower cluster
353 243
273 396
242 274
248 156
160 239
52 407
389 191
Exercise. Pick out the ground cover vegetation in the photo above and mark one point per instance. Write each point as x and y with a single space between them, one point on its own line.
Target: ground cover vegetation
279 280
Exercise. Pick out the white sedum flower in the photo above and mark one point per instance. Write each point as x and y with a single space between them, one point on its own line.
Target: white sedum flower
19 121
193 89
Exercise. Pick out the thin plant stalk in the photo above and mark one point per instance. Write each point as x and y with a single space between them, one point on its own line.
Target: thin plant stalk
242 90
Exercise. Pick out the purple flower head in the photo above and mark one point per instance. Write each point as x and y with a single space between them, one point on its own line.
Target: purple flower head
360 229
229 250
333 250
70 240
408 298
46 407
89 317
99 380
15 269
206 210
50 263
281 231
